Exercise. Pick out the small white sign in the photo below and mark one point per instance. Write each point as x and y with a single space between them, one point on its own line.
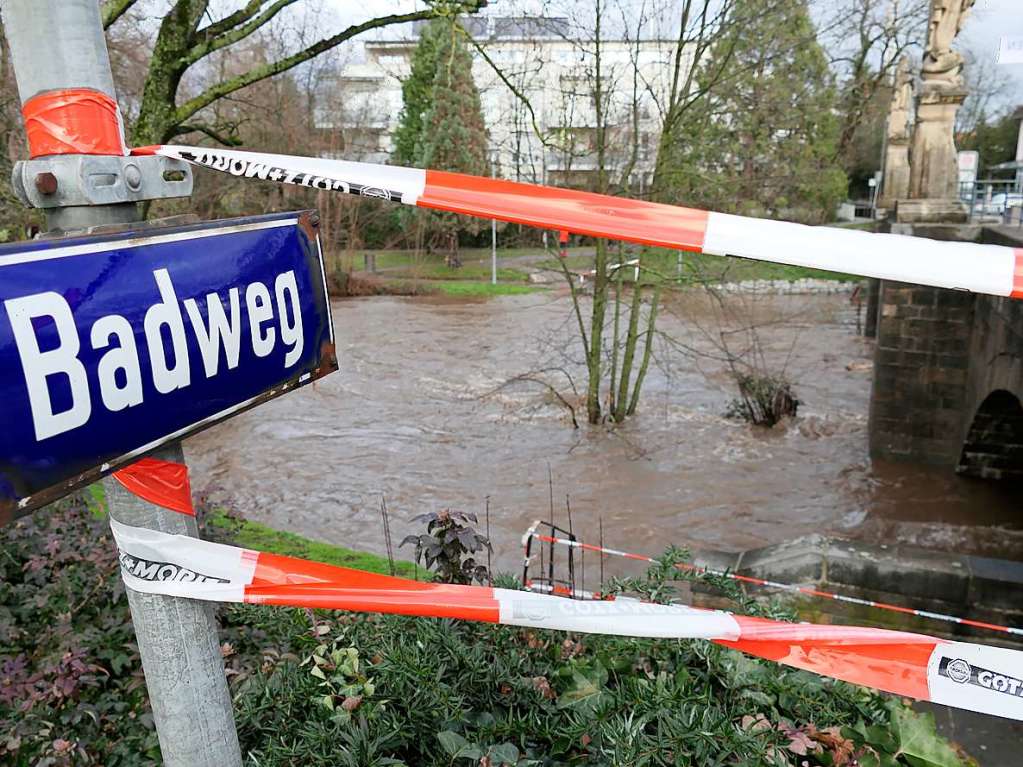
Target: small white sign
1010 51
969 162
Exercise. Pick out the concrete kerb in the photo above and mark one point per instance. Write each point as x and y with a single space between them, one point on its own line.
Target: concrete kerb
965 586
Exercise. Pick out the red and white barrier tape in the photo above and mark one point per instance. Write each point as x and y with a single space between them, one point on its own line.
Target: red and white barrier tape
978 268
969 676
531 533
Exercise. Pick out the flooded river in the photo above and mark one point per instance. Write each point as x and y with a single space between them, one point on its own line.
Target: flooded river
419 415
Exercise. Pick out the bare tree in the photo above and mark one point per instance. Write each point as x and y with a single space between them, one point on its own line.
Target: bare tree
594 132
989 91
700 25
16 218
188 34
702 66
865 40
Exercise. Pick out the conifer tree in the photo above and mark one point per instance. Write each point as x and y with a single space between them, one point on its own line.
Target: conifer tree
446 128
417 92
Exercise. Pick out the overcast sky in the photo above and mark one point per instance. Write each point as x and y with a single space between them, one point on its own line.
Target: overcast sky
991 20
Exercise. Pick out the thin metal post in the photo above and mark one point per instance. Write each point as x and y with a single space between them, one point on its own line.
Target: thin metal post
493 251
493 235
58 44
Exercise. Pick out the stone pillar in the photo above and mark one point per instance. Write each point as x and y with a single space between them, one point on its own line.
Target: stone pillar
934 175
934 171
895 182
895 185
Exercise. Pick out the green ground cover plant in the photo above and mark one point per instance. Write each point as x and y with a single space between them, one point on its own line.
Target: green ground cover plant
334 688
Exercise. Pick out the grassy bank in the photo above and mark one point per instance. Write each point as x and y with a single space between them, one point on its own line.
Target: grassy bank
405 273
376 285
219 524
469 288
409 259
253 535
700 268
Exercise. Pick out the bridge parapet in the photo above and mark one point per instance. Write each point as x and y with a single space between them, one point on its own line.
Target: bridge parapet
948 374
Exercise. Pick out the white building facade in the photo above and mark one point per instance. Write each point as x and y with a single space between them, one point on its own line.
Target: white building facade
547 68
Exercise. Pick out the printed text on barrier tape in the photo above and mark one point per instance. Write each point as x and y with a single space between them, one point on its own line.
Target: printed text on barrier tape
969 676
992 269
73 121
163 483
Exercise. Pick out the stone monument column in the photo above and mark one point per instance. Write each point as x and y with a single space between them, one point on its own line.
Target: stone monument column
934 176
895 184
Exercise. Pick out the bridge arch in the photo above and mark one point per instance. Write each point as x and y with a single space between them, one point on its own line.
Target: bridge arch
994 443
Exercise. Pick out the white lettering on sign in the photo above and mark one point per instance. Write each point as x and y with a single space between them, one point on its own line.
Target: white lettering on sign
222 331
123 357
39 365
166 378
272 316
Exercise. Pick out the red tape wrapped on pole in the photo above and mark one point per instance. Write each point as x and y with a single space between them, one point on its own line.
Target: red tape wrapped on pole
73 121
959 674
163 483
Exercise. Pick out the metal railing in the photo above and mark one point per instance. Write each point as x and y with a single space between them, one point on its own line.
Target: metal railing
994 201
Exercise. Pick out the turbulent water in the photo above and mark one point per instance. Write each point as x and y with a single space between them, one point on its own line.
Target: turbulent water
422 413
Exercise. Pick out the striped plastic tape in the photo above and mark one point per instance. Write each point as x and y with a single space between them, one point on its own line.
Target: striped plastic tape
968 676
992 269
805 590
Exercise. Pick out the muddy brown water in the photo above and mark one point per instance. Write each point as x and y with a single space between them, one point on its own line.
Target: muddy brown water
418 414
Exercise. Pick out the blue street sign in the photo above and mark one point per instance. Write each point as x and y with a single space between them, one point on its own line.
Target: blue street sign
111 346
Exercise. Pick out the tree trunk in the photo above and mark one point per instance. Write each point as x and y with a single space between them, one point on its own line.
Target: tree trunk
614 343
156 120
631 339
593 354
647 350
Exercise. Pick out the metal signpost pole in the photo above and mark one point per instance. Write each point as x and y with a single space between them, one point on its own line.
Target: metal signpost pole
58 45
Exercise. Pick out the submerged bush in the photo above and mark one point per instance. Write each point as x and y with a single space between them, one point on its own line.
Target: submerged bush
763 399
333 688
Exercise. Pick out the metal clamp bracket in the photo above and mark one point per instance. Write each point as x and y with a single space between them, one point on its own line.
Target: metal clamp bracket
76 180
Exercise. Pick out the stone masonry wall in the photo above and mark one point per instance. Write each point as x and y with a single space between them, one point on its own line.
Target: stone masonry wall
920 397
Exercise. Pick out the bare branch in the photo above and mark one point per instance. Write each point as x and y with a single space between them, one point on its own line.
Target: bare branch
264 71
534 377
230 21
213 133
510 86
210 43
112 10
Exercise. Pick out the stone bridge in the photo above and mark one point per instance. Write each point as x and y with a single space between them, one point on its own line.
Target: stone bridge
948 373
